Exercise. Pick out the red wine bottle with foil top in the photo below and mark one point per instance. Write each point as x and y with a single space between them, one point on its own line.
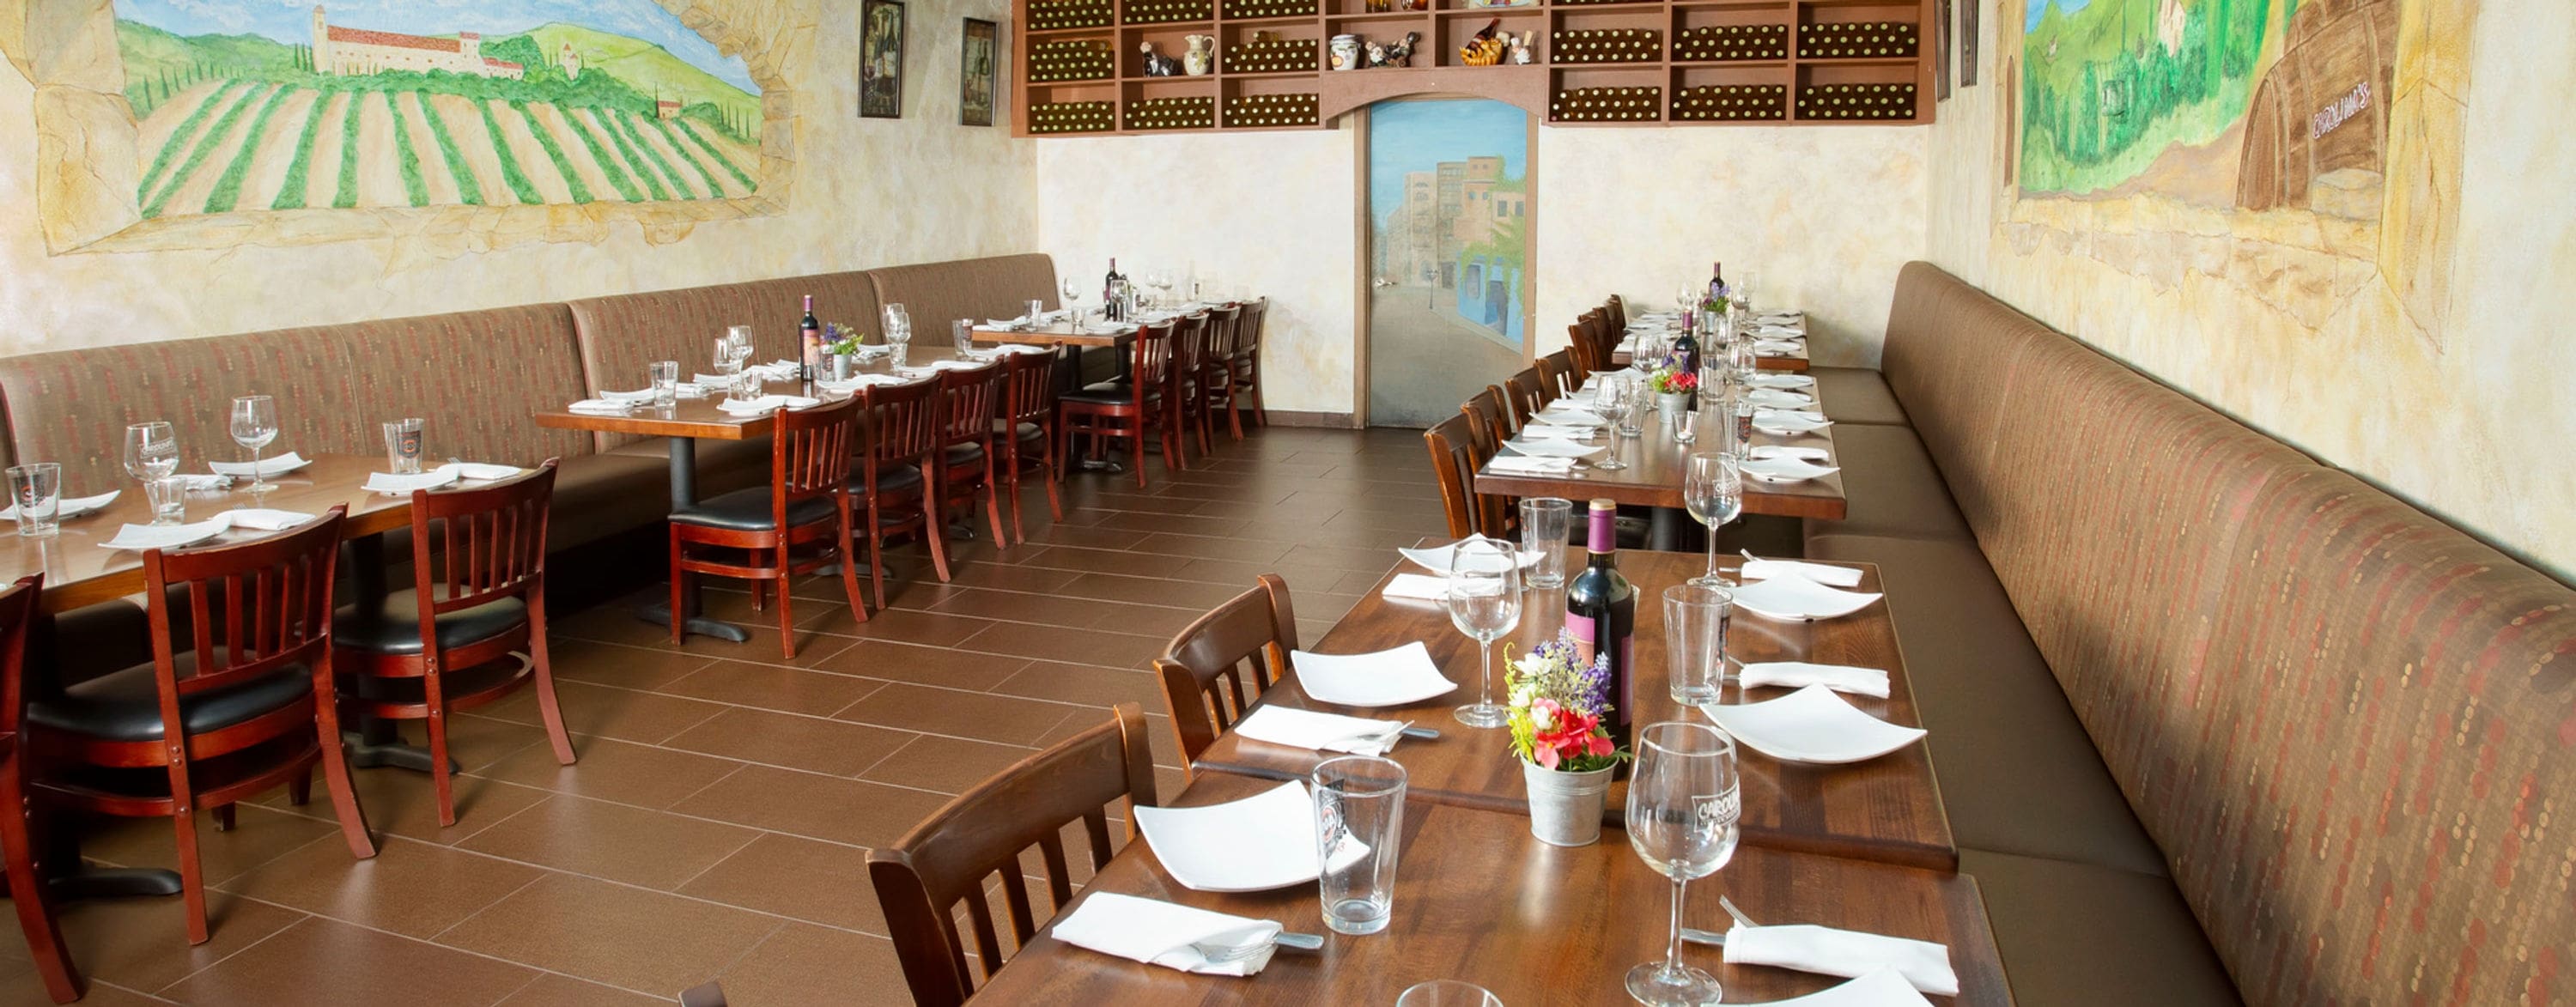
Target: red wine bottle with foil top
1601 612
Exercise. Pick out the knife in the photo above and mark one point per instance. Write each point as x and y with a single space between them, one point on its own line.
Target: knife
1708 937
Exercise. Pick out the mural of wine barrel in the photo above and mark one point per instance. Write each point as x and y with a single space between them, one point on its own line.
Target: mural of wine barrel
2316 133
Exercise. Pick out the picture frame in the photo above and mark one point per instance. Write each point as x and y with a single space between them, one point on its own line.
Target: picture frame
1943 30
881 44
979 63
1968 42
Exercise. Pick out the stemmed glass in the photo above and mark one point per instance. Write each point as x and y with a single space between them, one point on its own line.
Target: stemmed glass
1611 398
254 425
732 349
1740 293
151 456
1688 299
1683 807
1713 491
1485 603
898 331
1072 292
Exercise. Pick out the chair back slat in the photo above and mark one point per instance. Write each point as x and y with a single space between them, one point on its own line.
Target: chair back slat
946 859
971 400
1153 358
1189 351
491 541
1224 660
271 596
1528 392
810 454
17 613
1562 379
903 422
1216 365
1030 380
1489 419
1247 338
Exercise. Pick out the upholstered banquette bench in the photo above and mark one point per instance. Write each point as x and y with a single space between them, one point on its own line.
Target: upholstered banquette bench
2213 721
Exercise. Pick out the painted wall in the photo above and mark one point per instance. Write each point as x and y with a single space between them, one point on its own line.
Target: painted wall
862 193
2424 355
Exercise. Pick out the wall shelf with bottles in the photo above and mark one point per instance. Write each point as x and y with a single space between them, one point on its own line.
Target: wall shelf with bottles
1268 63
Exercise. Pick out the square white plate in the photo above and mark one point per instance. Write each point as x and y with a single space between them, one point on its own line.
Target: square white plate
1550 447
277 466
1780 398
139 537
1256 844
1786 470
1776 379
1797 599
67 508
1812 725
1817 455
1568 416
1788 423
1398 677
1438 558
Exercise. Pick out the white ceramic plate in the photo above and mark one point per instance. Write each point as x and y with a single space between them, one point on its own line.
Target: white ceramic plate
1798 599
1883 988
1568 416
1775 379
1256 844
1437 559
139 537
1786 470
1812 725
1787 423
67 508
1549 447
1780 398
277 466
1816 455
1398 677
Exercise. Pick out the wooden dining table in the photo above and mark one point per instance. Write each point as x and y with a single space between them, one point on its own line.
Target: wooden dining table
1051 334
1886 809
1477 898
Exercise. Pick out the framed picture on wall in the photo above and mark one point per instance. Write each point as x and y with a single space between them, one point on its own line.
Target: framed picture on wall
881 59
1942 30
1968 42
980 68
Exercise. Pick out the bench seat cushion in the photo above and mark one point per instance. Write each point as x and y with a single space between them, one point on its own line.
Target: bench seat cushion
2081 934
1856 395
2018 773
621 335
722 466
937 293
1891 486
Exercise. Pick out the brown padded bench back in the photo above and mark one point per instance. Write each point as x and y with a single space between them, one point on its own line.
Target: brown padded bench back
474 376
621 335
937 293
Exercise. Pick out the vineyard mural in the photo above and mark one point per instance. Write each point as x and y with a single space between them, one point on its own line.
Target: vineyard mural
247 105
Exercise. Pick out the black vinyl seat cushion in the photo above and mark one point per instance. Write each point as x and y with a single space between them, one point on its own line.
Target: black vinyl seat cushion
891 480
749 510
1110 393
393 625
965 454
126 705
1023 431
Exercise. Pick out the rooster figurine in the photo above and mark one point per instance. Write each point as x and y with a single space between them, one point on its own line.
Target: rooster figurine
1401 53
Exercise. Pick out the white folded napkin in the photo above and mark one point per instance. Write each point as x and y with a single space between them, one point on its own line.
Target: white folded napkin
1528 465
1829 576
279 465
600 407
1800 674
1883 988
198 483
936 366
1108 328
1551 447
1161 933
1774 348
776 370
1568 416
139 537
1325 732
68 507
387 482
262 518
1538 429
1780 398
1774 379
1833 952
710 380
1417 587
1022 348
1819 456
613 396
1787 470
765 404
859 381
997 323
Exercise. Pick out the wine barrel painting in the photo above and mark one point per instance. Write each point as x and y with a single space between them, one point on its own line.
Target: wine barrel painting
2318 122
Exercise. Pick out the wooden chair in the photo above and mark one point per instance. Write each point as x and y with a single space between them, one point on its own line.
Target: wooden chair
1216 374
448 642
1026 433
1219 664
26 871
249 705
898 482
1562 379
1455 458
1185 408
1490 419
1585 351
1616 311
1126 409
755 533
1527 394
1247 359
971 400
949 857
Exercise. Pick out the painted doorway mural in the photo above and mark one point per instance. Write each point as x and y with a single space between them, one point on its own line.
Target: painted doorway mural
1449 225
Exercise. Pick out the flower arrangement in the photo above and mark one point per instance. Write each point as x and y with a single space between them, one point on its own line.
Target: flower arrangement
1557 707
1673 379
840 340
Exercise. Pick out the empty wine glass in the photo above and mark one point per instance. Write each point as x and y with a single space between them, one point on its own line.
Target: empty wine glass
1713 492
1739 294
254 425
1485 603
152 457
1072 293
898 332
1610 396
728 367
1689 298
1683 807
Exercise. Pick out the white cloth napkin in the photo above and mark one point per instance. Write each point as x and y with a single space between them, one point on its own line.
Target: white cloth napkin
1022 348
777 370
1418 587
601 407
1324 732
710 380
1568 416
1774 347
1800 674
765 404
1161 933
262 518
387 482
139 537
68 507
1537 429
279 465
1108 328
1819 456
858 381
1850 953
1531 465
197 483
643 396
1829 576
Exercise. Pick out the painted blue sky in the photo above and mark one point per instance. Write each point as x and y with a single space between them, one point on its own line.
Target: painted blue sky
2040 9
292 21
1418 135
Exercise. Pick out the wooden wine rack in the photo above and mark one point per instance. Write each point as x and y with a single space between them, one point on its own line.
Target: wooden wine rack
1616 63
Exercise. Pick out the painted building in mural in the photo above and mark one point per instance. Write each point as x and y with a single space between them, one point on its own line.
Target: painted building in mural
349 52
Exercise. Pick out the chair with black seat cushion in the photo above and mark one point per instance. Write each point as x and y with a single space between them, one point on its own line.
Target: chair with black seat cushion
898 479
1126 409
1026 433
1558 370
1184 410
798 523
1216 374
454 639
971 399
1220 663
26 871
1246 358
961 850
249 705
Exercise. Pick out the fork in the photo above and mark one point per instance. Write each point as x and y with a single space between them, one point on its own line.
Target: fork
1219 954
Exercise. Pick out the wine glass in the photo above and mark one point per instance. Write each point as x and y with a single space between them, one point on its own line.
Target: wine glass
728 366
1610 396
1485 603
151 456
1689 298
898 332
1072 293
1740 292
254 425
1683 806
1713 491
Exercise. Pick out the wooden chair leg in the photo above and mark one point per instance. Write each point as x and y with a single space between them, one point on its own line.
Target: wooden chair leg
434 696
1234 417
934 523
1055 497
27 889
876 551
786 617
1260 406
335 768
759 596
223 818
549 706
299 790
1135 434
1020 502
849 549
679 591
192 873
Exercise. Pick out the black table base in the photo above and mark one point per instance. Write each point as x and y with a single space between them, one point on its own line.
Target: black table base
684 493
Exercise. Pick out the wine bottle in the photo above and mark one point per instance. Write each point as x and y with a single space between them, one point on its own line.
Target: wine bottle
1686 349
1109 293
1601 612
810 337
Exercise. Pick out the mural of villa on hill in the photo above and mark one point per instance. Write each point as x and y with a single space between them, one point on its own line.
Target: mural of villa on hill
250 105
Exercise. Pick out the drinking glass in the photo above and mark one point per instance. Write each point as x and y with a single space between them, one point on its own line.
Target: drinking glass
1485 603
1713 492
1544 524
1695 623
1359 823
1641 399
1072 294
728 369
1683 806
1037 313
1688 299
152 455
168 497
37 491
898 332
1740 293
402 445
666 383
737 344
254 425
1610 396
963 332
1447 993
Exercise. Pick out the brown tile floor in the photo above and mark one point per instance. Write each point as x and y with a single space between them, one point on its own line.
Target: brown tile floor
717 824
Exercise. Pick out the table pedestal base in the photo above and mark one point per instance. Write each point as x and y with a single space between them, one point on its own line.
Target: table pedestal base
113 883
659 614
1664 529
